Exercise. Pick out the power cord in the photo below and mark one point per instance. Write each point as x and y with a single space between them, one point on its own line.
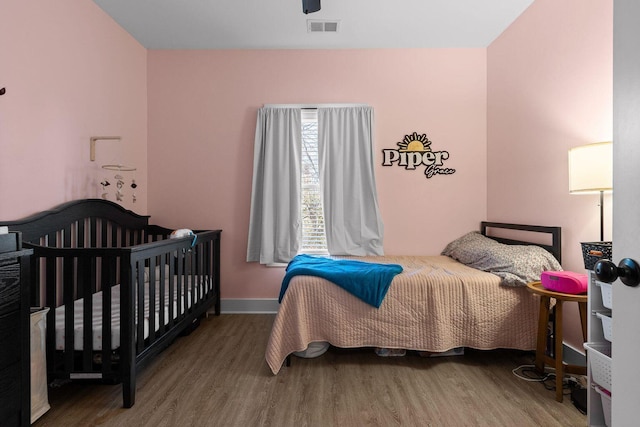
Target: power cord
547 379
528 373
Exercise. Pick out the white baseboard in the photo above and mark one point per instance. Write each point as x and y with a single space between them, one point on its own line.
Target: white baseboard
249 305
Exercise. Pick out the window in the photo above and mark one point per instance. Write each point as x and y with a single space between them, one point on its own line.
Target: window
313 232
336 205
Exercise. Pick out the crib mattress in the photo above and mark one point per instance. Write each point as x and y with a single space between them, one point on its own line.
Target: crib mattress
78 327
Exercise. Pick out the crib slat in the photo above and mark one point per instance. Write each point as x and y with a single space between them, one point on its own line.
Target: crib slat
108 280
86 280
152 300
68 298
34 285
162 300
66 232
114 235
190 285
93 233
195 289
104 234
200 273
80 242
51 300
180 283
174 309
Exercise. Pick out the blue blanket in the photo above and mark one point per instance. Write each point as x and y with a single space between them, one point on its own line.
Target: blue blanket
367 281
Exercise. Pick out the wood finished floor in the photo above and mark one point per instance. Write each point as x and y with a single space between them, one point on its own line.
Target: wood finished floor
217 376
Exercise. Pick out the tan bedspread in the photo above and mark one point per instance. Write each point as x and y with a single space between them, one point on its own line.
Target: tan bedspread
435 305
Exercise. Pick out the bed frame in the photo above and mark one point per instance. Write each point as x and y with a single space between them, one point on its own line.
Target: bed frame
86 246
281 346
555 247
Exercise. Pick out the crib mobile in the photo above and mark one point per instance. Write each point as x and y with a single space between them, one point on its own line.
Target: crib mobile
119 169
120 182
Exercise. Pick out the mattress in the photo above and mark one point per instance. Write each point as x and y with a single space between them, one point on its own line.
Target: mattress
435 304
78 327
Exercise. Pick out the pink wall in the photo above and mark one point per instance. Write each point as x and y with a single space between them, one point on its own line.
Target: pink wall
549 89
70 73
202 113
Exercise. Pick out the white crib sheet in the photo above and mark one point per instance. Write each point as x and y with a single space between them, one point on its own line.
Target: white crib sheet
78 328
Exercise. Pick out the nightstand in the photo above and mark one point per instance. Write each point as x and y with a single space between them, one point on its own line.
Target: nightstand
542 357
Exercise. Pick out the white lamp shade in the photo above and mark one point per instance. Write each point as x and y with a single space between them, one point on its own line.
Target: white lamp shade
591 168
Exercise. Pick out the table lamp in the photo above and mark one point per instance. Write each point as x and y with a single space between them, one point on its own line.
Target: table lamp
591 171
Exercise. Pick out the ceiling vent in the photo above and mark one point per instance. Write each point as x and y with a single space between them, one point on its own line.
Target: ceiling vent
316 26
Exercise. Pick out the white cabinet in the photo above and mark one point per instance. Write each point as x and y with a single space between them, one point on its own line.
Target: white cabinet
598 346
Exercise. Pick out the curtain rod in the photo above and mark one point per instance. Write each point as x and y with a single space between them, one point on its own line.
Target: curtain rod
307 106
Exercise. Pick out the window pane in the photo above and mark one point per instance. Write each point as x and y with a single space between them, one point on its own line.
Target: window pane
313 231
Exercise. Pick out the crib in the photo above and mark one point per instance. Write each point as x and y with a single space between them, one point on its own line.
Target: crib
119 289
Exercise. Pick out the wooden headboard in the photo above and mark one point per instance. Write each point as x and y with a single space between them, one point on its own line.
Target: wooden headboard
75 214
553 232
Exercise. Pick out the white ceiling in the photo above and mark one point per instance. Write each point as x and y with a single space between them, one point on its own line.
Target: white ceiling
281 24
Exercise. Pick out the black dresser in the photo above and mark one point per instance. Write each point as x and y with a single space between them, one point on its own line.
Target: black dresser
15 363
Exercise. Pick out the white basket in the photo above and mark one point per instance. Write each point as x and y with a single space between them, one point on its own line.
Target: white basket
599 358
605 290
607 330
606 405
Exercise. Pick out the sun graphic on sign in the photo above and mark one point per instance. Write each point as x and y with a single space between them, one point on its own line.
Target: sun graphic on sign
415 142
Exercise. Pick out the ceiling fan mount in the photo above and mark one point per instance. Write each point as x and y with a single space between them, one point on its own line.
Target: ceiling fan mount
310 6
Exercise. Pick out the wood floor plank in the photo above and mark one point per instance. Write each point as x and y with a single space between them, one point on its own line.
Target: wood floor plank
217 376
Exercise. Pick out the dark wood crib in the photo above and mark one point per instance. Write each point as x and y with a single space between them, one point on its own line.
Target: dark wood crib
119 290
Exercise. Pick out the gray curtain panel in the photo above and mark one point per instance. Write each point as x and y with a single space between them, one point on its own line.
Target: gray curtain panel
274 225
351 212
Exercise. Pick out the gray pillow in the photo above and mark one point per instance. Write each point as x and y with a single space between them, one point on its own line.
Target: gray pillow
516 265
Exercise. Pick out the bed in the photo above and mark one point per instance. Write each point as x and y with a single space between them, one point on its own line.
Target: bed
463 298
118 289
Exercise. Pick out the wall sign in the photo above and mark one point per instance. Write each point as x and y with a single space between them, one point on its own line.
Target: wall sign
415 150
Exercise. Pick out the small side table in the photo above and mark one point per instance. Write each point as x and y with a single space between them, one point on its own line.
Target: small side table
556 361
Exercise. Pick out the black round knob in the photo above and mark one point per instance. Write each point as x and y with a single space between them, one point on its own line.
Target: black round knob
606 271
631 276
628 270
